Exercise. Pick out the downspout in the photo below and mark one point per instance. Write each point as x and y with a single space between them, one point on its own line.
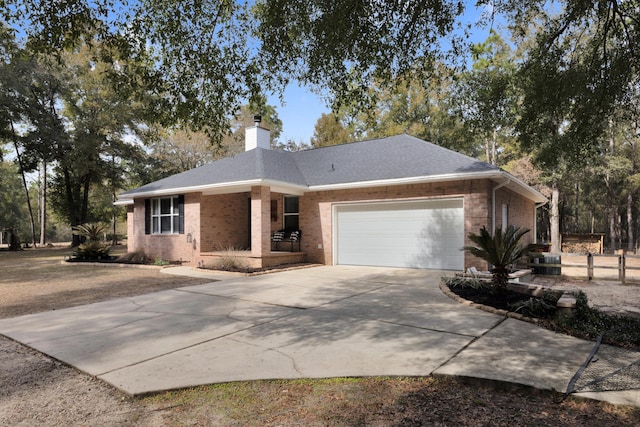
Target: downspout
493 204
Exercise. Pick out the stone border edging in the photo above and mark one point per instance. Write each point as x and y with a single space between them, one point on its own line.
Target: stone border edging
116 264
448 292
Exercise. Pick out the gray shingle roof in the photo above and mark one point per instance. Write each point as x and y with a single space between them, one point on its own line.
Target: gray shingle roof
400 156
394 157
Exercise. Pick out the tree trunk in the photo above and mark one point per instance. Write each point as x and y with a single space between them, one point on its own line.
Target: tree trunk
24 183
630 236
612 229
554 218
71 205
43 204
611 211
494 143
487 153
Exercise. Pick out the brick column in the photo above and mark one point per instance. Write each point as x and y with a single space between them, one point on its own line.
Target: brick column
260 221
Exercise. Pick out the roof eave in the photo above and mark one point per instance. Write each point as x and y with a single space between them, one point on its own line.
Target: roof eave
219 188
513 184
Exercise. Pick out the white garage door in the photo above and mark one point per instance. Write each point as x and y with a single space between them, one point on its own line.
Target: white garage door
418 234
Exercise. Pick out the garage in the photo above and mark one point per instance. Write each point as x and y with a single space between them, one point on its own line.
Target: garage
415 234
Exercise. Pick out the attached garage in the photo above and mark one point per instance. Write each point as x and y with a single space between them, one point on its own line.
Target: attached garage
415 234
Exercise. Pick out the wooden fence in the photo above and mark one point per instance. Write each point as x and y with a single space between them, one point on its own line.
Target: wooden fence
625 268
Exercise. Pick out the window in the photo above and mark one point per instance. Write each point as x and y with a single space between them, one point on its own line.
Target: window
505 217
164 215
291 214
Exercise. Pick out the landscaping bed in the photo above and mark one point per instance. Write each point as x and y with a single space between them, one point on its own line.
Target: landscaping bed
583 321
507 300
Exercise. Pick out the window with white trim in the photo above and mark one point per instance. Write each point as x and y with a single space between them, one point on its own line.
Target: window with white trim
165 215
291 213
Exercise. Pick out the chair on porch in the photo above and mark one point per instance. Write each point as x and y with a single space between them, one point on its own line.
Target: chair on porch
292 237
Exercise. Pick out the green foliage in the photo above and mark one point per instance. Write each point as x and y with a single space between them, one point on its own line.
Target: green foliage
161 262
93 232
588 322
466 283
501 250
533 307
486 95
13 213
92 250
329 130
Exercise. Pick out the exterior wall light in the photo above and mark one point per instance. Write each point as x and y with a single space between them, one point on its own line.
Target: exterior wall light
189 238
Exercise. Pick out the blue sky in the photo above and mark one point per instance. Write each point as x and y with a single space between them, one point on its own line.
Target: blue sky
304 108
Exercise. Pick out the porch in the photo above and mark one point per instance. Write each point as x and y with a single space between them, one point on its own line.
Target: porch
242 259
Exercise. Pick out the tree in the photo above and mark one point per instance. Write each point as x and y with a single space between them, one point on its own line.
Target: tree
421 108
15 68
329 130
594 50
487 96
73 120
12 199
206 59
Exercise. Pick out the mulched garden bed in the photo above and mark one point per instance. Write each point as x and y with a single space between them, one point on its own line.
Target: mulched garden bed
500 300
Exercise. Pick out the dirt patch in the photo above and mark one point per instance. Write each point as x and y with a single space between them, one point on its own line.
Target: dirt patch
37 390
33 281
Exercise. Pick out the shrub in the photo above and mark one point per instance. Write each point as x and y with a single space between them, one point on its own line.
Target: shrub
588 322
466 283
533 307
92 250
137 257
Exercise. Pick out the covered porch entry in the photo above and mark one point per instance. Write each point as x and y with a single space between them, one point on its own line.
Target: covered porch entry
238 227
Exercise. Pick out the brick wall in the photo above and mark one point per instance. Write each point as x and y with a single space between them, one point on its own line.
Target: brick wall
521 212
170 247
316 211
224 222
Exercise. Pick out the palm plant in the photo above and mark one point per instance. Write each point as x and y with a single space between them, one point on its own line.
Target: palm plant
93 248
91 232
500 250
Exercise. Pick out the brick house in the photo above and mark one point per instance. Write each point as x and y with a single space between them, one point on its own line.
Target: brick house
395 201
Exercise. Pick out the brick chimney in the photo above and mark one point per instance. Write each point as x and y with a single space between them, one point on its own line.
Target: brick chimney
256 136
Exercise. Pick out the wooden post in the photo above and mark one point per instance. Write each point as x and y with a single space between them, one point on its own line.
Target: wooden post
590 266
621 268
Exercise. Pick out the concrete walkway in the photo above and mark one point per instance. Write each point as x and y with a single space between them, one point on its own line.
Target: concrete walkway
308 323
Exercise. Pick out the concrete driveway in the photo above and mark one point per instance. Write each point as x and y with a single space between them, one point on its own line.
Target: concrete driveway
309 323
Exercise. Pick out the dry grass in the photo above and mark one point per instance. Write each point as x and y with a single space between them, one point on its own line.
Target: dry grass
36 280
432 401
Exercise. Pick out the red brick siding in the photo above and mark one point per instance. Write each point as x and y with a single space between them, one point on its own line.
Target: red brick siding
316 209
171 247
224 222
521 212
